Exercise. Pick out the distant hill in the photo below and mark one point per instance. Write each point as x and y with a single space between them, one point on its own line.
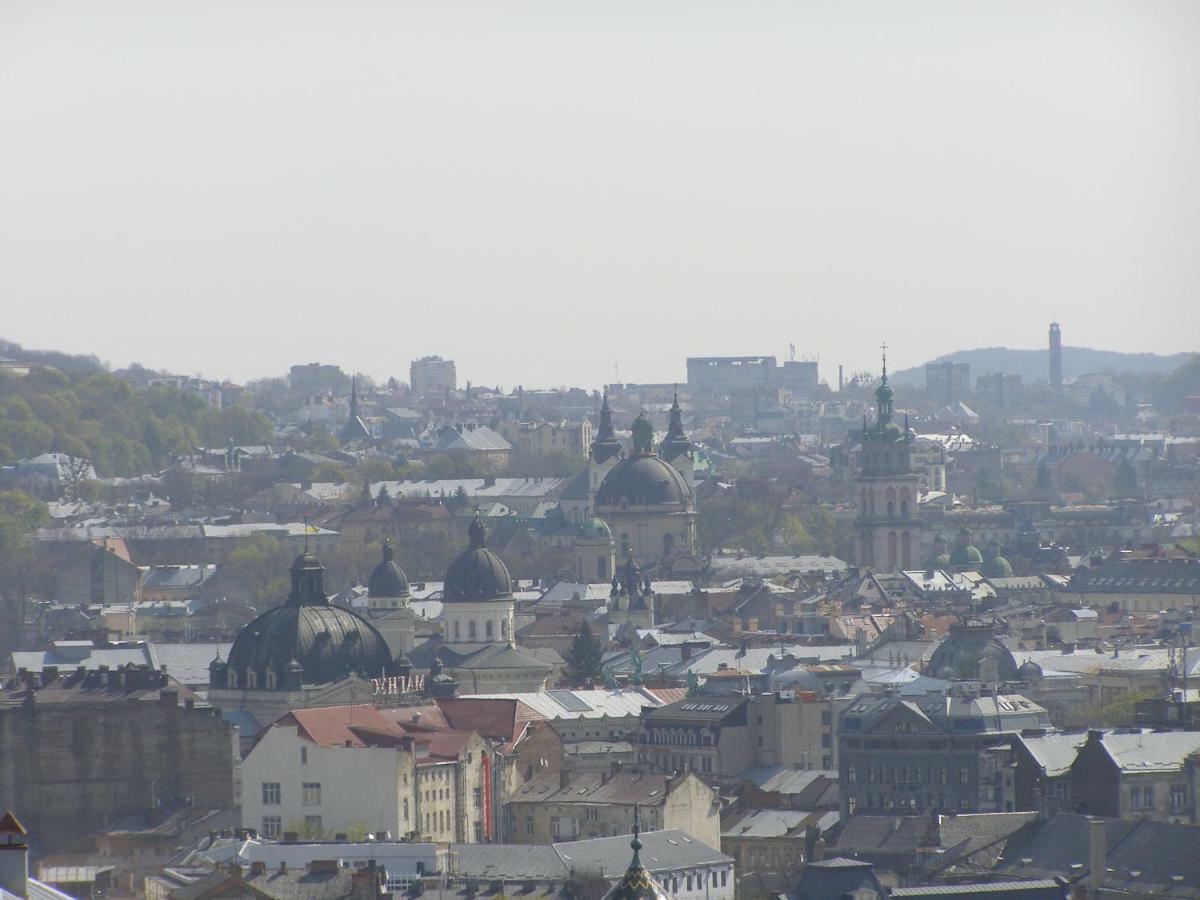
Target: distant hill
1033 365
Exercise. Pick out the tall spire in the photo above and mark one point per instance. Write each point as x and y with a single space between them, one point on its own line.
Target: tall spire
605 446
353 396
636 843
676 442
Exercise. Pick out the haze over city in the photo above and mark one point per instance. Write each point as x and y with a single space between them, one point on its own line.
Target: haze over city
577 450
545 191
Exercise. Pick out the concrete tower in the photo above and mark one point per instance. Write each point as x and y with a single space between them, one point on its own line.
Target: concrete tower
1055 356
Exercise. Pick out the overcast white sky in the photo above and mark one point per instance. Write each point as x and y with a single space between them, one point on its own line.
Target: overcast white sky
543 190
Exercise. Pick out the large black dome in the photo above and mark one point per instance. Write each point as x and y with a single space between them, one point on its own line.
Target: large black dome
972 652
387 579
326 642
477 574
642 480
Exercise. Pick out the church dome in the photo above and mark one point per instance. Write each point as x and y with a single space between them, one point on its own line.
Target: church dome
327 642
387 579
642 480
996 567
971 652
596 529
965 554
477 574
1030 671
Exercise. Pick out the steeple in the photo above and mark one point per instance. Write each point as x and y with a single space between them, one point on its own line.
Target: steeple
605 446
883 396
354 429
676 442
637 883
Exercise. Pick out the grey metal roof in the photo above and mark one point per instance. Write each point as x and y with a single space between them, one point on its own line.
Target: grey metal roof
1043 887
662 851
1055 752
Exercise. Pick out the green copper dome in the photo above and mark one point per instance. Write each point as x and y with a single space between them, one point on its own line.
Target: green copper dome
965 554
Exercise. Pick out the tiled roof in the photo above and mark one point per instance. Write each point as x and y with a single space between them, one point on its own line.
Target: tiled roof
341 726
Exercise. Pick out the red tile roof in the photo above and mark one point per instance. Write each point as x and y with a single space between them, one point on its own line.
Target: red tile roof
338 726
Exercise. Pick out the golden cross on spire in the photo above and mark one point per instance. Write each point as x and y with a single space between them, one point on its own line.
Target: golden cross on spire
883 347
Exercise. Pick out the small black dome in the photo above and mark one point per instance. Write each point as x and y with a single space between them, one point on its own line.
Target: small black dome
477 574
387 579
642 480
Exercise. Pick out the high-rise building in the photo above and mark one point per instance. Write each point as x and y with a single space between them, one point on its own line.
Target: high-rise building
1056 374
432 375
947 381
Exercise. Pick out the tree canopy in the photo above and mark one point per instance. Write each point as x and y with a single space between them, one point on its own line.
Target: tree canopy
121 430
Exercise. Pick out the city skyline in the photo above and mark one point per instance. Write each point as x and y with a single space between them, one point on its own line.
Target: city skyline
626 186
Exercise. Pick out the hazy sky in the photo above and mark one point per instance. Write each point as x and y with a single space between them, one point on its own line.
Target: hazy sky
544 190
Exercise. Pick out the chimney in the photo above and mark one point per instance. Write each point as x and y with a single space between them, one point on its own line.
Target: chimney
258 867
564 778
1097 857
14 857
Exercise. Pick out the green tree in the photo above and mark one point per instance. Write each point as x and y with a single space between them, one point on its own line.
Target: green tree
1125 482
261 565
22 568
584 655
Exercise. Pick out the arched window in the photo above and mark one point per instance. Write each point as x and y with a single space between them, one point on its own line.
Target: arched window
457 631
892 558
487 629
504 629
471 630
891 509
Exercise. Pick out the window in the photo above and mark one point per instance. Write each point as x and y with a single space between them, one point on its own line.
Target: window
1148 796
479 798
964 776
529 825
827 740
689 882
870 774
303 756
945 776
427 823
478 832
487 629
852 774
271 826
405 810
312 793
471 630
312 826
1178 796
724 877
593 814
826 717
270 793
